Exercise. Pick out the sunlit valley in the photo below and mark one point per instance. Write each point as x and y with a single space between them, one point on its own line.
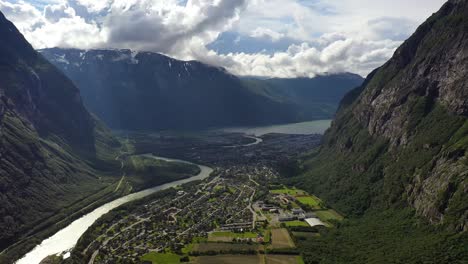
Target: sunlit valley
164 132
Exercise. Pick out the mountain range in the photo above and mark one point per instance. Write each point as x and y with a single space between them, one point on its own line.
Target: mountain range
149 91
394 161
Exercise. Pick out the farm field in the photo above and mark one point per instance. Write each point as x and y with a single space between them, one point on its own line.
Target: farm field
309 200
280 238
218 247
295 223
283 259
229 259
161 258
229 236
288 191
326 215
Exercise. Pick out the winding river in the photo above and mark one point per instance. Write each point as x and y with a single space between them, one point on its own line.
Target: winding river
67 238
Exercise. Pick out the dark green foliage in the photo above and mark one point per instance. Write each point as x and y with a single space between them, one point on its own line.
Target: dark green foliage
393 236
149 172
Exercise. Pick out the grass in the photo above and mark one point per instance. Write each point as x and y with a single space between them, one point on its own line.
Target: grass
309 200
284 259
281 239
161 258
296 223
300 260
326 215
229 259
267 236
224 247
218 188
288 191
234 235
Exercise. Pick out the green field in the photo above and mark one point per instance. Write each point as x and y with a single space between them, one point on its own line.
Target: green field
219 247
288 191
234 235
161 258
309 200
218 188
326 215
296 223
281 239
229 259
283 259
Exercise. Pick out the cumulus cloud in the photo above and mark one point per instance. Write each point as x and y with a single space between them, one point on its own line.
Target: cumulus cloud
303 38
167 26
261 32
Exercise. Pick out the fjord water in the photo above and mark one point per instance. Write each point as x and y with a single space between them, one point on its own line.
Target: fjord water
304 128
67 238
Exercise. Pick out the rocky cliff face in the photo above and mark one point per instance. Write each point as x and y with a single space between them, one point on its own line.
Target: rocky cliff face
402 138
47 138
36 90
145 90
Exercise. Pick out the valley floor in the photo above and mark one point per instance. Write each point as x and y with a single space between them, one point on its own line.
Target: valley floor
240 213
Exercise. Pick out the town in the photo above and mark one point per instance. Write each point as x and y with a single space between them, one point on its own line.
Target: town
240 211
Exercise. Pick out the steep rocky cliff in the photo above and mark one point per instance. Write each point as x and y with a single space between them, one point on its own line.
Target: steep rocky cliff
49 143
402 138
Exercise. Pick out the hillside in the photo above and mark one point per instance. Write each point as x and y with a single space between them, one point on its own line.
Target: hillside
51 148
149 91
399 143
314 98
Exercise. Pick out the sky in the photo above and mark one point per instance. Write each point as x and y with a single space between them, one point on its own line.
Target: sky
267 38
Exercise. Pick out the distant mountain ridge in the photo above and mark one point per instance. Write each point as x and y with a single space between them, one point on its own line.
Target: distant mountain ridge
145 90
314 98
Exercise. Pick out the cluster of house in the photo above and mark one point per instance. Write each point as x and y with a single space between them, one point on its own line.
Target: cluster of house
237 227
268 208
296 214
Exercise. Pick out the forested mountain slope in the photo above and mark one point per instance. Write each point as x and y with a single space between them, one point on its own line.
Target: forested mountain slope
51 147
313 98
400 142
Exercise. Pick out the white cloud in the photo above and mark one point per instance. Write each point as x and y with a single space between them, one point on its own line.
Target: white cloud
261 32
336 35
54 13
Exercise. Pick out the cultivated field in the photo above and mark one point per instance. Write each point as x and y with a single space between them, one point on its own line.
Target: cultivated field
229 236
161 258
283 259
280 238
330 214
288 191
296 223
217 247
310 200
229 259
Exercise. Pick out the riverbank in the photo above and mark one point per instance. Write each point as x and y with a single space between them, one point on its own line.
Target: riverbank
67 237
